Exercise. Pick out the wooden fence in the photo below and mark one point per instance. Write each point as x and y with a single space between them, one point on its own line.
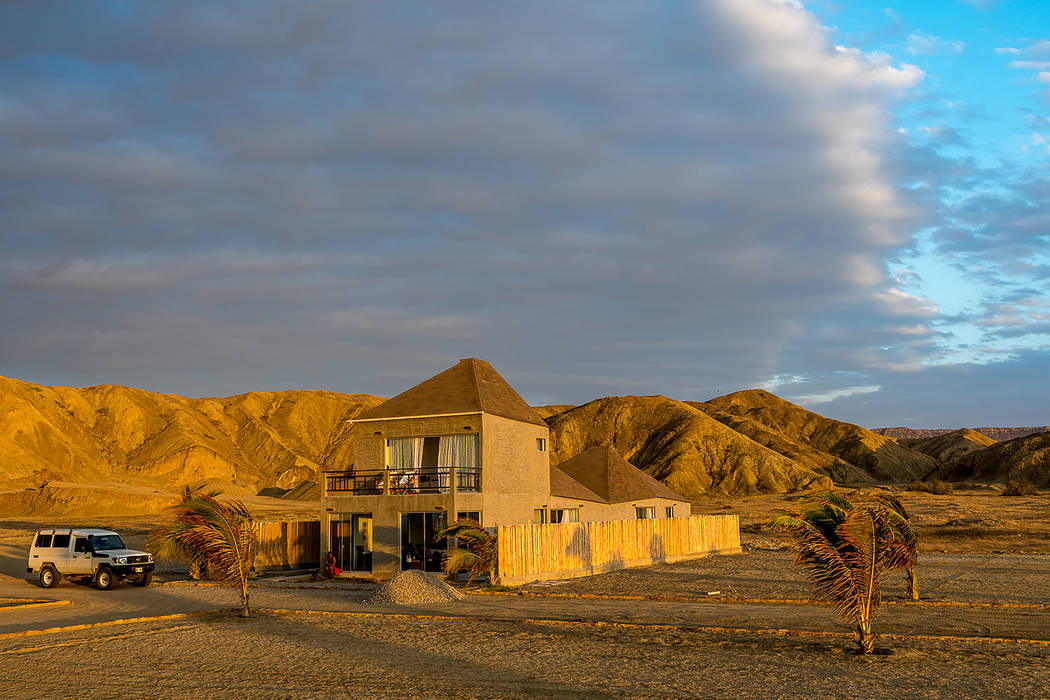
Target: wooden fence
565 550
288 545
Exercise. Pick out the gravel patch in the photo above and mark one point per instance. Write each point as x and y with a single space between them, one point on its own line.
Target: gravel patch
413 588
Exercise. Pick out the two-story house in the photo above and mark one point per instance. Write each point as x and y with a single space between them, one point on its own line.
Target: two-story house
465 444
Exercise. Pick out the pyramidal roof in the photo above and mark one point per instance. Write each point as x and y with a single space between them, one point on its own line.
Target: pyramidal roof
612 479
471 386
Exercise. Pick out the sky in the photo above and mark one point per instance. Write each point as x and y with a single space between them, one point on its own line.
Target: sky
847 204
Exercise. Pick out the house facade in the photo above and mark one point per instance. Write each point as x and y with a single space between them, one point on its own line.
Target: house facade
463 444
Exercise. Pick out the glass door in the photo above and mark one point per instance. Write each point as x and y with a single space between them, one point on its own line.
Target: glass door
420 547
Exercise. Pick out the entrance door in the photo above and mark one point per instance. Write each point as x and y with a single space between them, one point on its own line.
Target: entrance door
420 548
350 538
362 527
341 540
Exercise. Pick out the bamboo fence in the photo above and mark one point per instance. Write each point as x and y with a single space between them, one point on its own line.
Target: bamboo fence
288 544
564 550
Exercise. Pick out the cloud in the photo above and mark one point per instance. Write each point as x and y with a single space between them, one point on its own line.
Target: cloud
679 198
921 44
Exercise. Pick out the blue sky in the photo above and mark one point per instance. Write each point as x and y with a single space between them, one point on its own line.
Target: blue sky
844 203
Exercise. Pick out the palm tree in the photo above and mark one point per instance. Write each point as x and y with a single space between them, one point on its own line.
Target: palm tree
904 552
477 552
845 549
219 537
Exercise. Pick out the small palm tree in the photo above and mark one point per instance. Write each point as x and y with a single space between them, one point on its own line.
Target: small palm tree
476 554
904 551
219 537
845 549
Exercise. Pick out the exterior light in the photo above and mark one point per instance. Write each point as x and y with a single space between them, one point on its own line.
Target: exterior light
378 432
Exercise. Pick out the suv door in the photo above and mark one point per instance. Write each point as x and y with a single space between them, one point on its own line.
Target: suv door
61 550
80 562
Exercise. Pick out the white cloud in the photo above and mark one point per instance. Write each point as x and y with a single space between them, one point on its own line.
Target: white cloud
921 44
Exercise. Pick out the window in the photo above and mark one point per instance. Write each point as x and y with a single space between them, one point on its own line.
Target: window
81 545
43 540
420 547
541 444
565 515
60 541
437 451
669 512
474 515
539 516
645 512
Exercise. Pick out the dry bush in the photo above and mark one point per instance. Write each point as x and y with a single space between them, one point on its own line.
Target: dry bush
1020 487
936 487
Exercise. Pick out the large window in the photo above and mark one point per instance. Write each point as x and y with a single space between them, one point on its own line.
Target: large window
565 515
428 452
420 546
645 512
424 464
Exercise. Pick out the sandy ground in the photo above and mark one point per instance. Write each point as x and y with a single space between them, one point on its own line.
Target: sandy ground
554 642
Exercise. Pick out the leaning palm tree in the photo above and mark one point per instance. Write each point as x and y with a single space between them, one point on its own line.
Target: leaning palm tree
219 537
904 551
845 549
476 553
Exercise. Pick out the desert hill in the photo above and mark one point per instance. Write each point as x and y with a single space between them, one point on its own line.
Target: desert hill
879 456
820 462
949 446
680 445
996 434
116 434
1025 457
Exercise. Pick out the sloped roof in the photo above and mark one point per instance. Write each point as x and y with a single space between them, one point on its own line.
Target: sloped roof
565 486
602 471
471 386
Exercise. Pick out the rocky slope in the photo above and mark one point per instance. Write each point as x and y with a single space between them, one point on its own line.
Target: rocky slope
1025 457
116 434
949 446
821 462
690 451
879 456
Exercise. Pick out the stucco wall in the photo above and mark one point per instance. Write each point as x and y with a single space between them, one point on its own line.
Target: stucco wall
591 511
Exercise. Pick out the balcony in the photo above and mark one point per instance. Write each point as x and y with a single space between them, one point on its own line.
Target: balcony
375 482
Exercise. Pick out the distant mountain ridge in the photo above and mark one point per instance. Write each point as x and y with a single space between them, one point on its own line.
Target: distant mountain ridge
997 434
748 442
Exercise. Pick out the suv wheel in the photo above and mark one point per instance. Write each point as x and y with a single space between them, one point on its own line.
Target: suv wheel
49 578
103 578
144 579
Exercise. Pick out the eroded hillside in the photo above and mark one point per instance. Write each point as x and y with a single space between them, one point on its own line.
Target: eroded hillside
116 434
878 455
687 449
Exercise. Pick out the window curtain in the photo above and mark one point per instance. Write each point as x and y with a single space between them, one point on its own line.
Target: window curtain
458 451
406 453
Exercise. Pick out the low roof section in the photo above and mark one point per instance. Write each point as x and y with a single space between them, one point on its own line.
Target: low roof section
471 386
600 474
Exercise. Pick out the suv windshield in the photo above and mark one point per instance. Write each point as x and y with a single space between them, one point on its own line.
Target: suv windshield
103 542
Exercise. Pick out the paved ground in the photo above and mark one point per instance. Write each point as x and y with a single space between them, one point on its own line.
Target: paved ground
511 645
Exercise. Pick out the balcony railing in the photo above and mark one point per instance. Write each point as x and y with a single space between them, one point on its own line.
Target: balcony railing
373 482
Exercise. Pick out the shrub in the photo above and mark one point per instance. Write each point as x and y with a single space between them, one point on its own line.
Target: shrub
936 487
1020 487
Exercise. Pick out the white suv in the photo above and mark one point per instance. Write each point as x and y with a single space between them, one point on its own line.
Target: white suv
87 554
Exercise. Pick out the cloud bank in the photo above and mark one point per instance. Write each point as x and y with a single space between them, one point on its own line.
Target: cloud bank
599 198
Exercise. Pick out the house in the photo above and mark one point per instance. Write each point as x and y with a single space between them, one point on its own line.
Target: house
464 444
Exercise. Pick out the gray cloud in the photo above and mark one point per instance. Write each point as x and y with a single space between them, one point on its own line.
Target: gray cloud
599 198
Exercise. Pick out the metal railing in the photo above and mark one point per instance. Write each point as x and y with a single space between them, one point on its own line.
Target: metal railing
373 482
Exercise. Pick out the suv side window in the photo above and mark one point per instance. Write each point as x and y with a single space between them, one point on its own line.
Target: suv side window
61 541
81 545
43 540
